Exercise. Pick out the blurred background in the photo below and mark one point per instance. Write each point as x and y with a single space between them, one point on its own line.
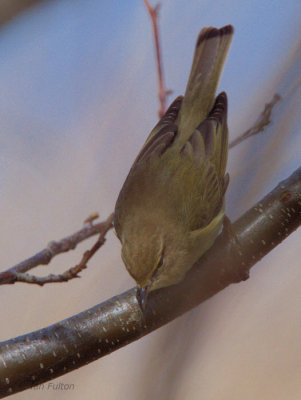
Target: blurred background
78 96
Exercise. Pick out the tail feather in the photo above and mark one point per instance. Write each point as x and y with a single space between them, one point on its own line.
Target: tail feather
210 53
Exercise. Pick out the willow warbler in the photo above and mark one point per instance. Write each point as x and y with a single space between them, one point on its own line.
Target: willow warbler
171 206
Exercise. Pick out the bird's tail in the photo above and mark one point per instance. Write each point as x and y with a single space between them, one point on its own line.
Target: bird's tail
210 53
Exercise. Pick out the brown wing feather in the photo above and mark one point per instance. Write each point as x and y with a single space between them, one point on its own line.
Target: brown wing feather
141 180
163 133
202 170
215 134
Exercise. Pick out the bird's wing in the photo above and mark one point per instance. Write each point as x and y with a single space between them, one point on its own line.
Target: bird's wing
187 185
197 186
162 134
142 175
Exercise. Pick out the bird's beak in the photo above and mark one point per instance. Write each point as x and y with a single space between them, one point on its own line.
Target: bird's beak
142 296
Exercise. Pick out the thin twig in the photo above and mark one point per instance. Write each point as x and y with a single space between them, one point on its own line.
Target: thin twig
260 124
162 92
17 273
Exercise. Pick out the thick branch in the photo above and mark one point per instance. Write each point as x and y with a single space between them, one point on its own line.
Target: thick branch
39 356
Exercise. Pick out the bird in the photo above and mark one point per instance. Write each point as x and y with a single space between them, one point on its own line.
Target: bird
171 206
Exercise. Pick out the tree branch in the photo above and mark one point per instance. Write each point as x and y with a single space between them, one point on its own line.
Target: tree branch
260 124
162 92
43 257
39 356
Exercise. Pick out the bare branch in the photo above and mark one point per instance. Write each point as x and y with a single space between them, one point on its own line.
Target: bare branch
162 92
17 273
260 124
39 356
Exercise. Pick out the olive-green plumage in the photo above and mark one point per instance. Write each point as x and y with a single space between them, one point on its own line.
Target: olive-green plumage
171 206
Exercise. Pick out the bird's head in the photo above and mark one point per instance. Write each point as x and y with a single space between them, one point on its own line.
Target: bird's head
155 255
143 253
